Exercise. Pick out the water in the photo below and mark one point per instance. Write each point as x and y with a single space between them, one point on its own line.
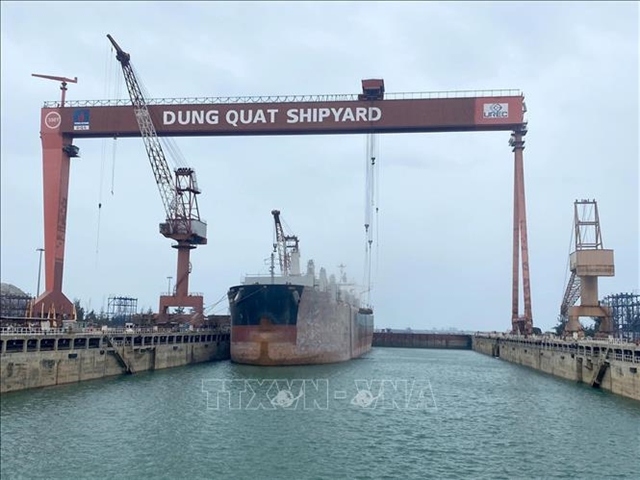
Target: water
468 416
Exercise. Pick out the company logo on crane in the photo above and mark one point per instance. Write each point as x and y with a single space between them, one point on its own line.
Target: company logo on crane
495 110
52 120
81 119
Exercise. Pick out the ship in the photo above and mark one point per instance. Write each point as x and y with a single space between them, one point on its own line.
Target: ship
295 318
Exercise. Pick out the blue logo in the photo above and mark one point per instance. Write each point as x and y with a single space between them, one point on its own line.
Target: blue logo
81 119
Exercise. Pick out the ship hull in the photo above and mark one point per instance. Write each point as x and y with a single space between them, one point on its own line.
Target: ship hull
295 325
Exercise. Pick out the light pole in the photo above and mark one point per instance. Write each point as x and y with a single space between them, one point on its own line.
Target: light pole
39 269
169 286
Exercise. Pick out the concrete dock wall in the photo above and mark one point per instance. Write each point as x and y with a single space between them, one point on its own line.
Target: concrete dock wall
422 340
612 366
27 362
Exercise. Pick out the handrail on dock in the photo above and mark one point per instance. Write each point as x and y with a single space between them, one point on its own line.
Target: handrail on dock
110 331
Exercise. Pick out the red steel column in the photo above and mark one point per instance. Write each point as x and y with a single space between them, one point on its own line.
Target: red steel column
516 251
55 170
524 325
182 274
526 285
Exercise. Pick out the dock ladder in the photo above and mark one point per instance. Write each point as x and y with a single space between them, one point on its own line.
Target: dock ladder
601 368
120 355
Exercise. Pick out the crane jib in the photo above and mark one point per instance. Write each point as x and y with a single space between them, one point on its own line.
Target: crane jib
177 189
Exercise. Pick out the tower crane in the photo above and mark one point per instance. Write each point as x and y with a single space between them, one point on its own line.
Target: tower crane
178 192
287 247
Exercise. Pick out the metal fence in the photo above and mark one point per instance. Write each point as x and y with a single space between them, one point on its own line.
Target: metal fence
340 97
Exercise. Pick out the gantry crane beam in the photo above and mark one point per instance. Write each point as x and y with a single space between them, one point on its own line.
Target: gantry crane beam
303 116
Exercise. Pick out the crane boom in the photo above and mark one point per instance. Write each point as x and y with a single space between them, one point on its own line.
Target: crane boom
280 243
571 296
179 195
288 248
161 170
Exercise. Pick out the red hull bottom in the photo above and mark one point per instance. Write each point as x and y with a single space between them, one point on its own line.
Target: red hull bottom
278 345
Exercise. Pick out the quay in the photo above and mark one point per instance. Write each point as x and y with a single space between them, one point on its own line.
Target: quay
32 358
611 364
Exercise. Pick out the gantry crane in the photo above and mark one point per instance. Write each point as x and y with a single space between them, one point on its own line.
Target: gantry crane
371 112
287 247
178 192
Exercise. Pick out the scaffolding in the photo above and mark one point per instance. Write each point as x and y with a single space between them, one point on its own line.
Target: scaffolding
625 309
14 306
121 310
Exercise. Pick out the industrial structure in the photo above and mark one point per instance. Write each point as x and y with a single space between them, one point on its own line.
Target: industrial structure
179 196
287 247
14 305
373 111
625 311
121 309
588 262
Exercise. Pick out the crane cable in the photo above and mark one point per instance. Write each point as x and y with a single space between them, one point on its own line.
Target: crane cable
175 157
370 203
213 305
376 181
366 213
111 90
103 155
113 157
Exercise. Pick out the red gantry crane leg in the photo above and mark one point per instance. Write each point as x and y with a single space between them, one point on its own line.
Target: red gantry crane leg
179 197
522 324
57 151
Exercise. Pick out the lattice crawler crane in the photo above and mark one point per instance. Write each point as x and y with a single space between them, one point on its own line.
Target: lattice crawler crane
178 190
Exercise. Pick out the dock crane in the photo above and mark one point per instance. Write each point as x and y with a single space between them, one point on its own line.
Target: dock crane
287 247
589 261
179 196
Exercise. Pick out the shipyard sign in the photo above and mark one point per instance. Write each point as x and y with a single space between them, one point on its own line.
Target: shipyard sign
244 116
288 118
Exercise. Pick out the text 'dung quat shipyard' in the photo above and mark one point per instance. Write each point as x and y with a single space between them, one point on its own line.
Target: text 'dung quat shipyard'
272 116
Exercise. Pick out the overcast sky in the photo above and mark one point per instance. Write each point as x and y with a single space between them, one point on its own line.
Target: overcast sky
444 236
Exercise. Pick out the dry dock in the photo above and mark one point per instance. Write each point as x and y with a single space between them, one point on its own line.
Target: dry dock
608 364
38 359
